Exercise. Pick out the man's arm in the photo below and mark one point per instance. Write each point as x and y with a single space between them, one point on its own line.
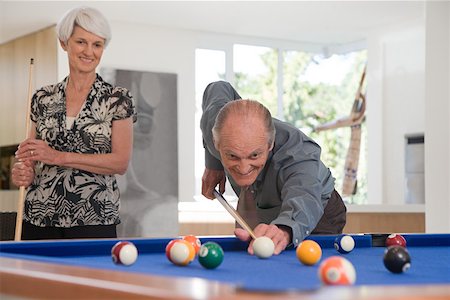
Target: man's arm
301 193
216 95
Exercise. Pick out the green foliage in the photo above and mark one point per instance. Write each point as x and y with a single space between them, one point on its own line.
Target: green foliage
307 105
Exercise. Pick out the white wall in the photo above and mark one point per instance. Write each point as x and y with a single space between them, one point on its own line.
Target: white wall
135 47
437 112
403 67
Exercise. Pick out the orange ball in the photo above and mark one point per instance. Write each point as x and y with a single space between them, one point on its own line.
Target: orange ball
195 241
337 270
308 252
180 252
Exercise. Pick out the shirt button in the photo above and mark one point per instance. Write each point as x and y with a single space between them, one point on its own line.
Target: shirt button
307 231
296 241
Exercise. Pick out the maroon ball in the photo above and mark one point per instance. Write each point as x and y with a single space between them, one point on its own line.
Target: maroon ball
395 240
124 253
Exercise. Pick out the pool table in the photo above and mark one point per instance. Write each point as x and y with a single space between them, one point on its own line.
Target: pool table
83 269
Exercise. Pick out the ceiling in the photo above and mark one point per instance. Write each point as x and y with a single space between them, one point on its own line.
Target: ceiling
317 22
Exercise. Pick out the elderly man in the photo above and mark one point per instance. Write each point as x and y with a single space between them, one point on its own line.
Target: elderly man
285 191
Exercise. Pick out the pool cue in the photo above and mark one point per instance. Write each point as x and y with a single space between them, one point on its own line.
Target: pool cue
20 202
234 213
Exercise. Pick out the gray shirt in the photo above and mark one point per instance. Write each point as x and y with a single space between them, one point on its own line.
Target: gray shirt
294 186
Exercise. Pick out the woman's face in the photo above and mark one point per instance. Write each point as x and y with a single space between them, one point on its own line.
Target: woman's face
84 50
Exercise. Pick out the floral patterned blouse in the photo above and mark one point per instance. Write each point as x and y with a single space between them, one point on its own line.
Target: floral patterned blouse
68 197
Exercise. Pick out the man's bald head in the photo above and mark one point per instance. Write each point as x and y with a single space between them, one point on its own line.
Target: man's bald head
244 110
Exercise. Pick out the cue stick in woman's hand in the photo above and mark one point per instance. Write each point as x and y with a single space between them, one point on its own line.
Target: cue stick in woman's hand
20 202
234 213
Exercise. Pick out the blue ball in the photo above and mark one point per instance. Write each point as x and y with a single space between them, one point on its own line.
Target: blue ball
344 243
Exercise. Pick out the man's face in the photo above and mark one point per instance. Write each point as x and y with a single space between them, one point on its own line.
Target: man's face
243 148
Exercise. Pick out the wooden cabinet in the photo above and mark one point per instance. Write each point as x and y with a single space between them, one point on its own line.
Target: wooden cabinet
15 58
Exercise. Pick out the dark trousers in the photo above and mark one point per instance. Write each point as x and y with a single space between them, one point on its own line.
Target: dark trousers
334 216
32 232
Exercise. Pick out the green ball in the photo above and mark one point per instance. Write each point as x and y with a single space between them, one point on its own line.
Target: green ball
210 255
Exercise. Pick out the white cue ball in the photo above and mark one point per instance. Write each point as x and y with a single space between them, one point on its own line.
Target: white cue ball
263 247
128 254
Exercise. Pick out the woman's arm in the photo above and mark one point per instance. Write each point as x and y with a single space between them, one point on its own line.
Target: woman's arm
115 162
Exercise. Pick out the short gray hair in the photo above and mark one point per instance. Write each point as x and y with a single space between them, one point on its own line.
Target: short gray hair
244 108
87 18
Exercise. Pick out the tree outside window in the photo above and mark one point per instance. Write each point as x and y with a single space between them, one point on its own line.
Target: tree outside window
316 90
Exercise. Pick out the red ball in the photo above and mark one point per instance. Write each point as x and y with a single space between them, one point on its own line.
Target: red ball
180 252
168 247
124 253
395 240
195 241
337 270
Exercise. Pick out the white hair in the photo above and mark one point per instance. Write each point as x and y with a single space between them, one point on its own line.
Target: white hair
87 18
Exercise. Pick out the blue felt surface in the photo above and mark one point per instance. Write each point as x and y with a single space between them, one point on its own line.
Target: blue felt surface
430 265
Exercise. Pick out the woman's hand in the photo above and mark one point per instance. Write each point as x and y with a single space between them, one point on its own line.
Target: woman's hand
37 150
22 173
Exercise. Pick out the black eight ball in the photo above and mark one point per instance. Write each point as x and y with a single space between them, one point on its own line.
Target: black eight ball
396 259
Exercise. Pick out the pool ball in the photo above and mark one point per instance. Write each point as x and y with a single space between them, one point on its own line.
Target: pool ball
336 270
168 247
195 241
263 247
395 240
124 253
180 252
210 255
308 252
344 243
397 259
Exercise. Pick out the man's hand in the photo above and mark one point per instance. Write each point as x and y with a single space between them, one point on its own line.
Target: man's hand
212 178
280 235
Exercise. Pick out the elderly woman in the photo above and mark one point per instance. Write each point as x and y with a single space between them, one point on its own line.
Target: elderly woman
81 136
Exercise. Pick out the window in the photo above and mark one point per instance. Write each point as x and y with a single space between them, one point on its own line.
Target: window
305 89
209 67
317 90
255 71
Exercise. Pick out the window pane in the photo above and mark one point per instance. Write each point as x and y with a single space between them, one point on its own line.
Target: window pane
318 90
255 71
